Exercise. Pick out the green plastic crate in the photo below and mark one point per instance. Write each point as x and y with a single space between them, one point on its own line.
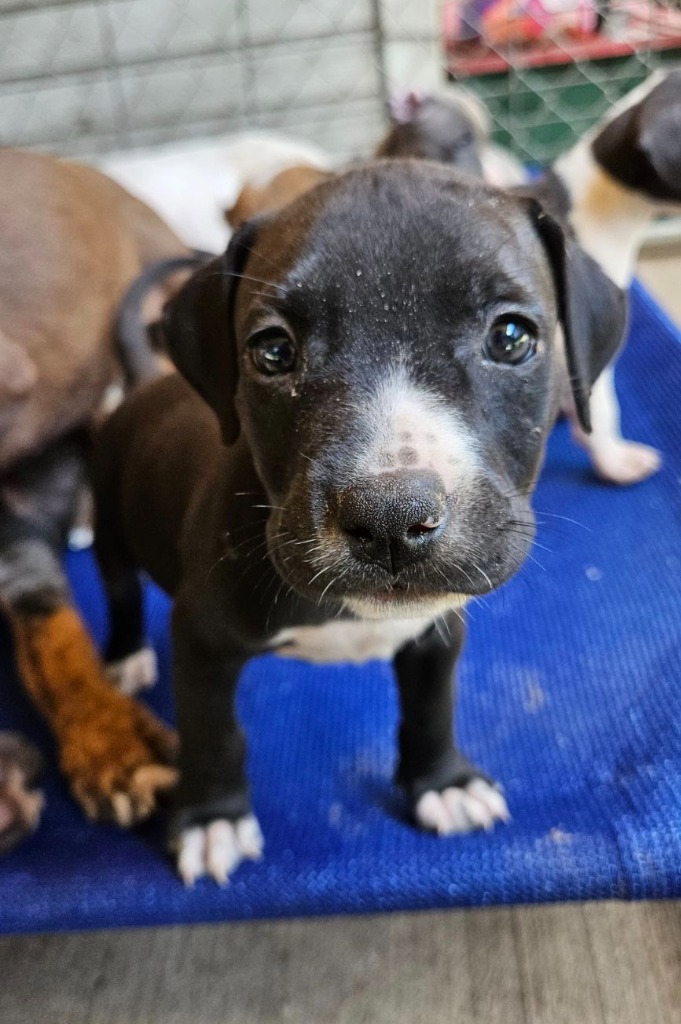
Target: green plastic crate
540 112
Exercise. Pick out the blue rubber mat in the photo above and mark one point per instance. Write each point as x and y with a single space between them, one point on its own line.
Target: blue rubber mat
570 695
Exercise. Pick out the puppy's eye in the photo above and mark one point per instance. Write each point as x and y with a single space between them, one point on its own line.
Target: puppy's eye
273 352
511 340
464 140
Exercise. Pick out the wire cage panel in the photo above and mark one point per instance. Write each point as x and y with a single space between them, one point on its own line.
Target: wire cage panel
549 69
83 77
86 77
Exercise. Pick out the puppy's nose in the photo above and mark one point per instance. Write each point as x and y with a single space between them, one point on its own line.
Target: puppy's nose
393 519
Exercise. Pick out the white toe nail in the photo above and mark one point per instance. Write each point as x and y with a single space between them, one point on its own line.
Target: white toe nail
477 812
190 859
491 797
249 838
432 813
122 809
217 849
455 803
222 852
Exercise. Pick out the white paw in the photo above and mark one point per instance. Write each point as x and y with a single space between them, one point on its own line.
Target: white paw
217 849
626 462
137 672
81 538
461 808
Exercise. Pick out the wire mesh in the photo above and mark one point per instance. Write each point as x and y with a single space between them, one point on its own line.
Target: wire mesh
89 76
545 85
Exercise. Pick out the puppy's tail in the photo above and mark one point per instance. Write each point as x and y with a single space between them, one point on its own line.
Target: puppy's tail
135 344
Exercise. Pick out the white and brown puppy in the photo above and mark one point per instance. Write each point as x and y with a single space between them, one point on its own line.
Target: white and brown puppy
191 183
619 176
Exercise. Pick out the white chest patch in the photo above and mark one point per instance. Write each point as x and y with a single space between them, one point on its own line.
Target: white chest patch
353 641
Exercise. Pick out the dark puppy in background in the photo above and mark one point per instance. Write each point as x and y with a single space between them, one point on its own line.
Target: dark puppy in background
450 125
350 458
450 128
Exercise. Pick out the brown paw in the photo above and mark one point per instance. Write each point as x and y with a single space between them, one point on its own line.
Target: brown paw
119 763
117 756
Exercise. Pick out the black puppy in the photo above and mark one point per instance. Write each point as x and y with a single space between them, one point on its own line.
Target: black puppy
378 375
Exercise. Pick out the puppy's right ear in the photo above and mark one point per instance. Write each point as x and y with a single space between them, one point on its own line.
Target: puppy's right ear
198 326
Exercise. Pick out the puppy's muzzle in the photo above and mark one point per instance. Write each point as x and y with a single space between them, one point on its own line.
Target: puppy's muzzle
392 519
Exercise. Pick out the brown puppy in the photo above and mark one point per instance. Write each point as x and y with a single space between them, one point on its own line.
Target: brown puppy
71 241
282 189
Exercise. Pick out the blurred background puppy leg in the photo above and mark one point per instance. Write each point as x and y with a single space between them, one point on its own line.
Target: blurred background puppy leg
613 458
116 755
21 804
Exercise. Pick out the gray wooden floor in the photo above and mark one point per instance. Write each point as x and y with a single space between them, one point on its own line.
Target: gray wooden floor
601 963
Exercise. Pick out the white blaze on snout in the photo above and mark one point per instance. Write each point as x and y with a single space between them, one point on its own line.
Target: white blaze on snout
406 427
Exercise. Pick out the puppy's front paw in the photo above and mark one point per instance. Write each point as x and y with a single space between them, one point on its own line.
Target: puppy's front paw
625 462
457 809
218 848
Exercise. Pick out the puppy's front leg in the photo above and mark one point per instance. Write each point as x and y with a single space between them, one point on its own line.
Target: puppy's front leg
212 828
446 792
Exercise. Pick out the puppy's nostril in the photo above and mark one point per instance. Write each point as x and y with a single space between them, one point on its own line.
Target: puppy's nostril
427 526
359 533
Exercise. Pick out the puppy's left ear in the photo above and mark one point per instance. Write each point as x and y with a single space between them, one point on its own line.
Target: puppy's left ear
591 308
198 327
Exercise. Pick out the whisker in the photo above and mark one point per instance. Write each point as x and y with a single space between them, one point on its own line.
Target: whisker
567 519
483 574
333 581
322 571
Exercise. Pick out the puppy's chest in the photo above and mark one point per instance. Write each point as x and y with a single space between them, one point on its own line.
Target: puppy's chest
355 641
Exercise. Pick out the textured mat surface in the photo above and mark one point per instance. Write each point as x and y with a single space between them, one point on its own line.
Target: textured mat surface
570 695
